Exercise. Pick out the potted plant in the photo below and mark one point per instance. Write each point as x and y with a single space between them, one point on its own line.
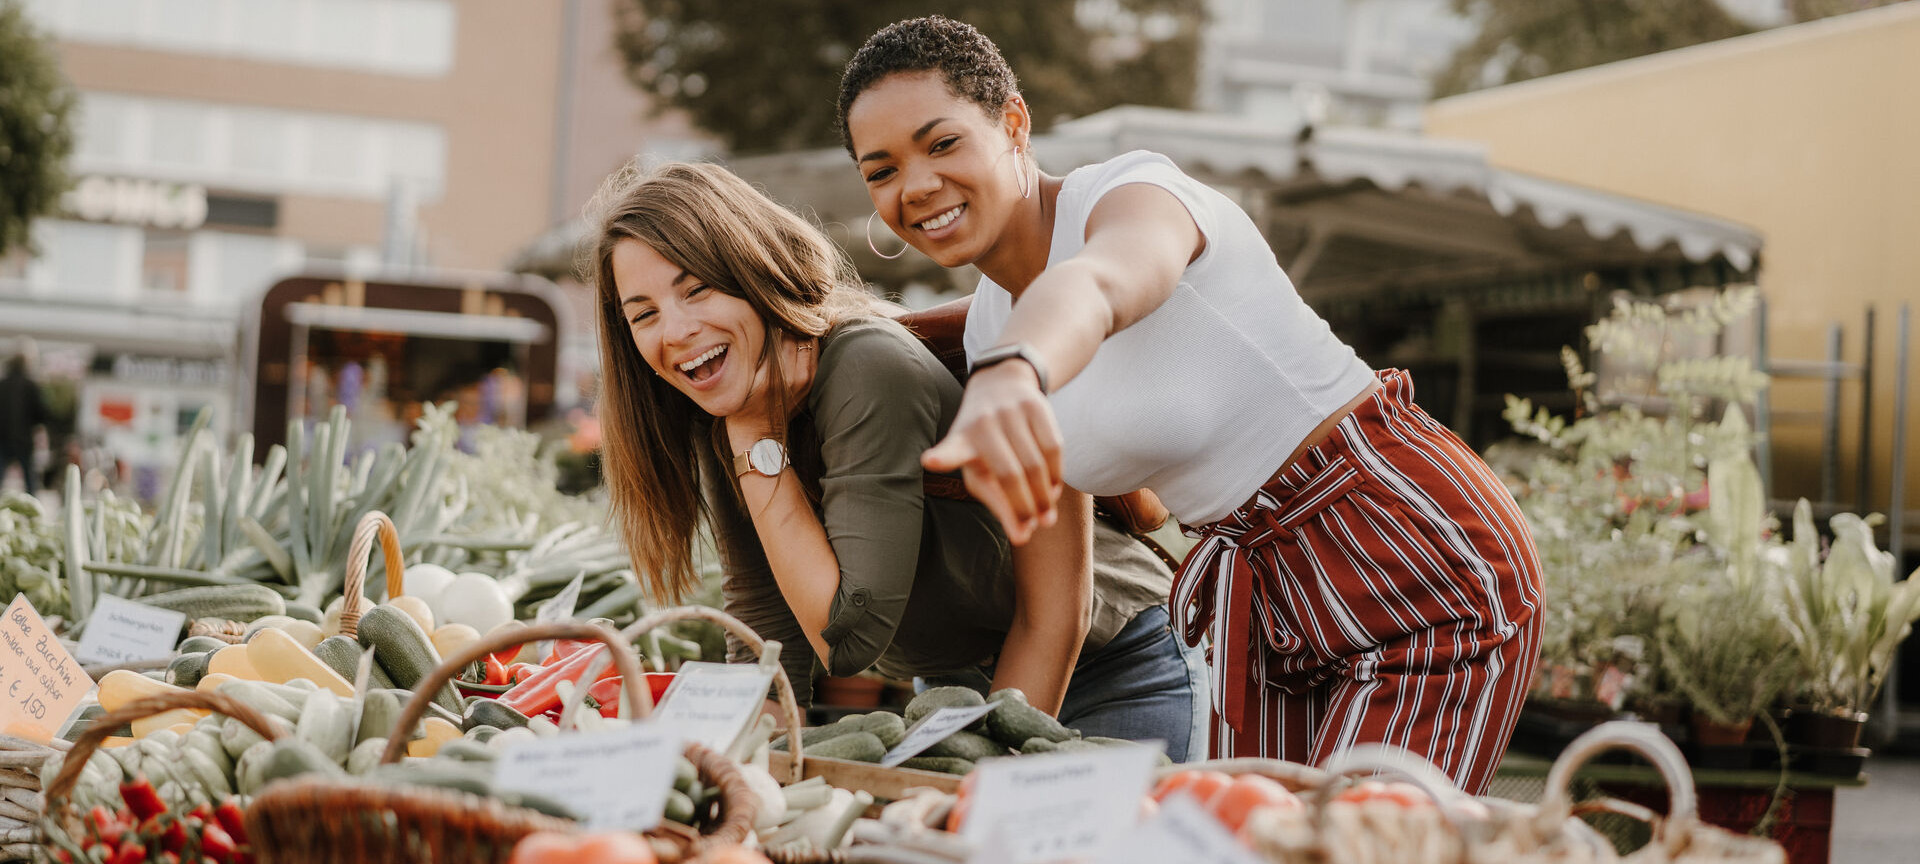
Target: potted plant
1725 654
1845 616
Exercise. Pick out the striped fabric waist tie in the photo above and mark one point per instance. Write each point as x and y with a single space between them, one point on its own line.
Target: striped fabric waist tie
1216 587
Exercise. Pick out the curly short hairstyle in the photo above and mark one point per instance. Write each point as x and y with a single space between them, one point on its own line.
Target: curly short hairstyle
968 62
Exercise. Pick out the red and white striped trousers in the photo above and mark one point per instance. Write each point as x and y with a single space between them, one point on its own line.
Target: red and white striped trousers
1382 587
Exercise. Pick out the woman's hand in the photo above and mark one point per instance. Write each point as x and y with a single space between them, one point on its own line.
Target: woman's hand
763 415
1007 447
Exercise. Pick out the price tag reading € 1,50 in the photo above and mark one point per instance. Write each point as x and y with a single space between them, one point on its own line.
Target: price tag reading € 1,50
1057 806
40 683
711 702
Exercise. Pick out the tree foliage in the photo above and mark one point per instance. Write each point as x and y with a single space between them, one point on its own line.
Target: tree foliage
35 136
763 75
1522 39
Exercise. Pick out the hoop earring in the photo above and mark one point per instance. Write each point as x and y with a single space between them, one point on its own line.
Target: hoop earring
876 249
1020 171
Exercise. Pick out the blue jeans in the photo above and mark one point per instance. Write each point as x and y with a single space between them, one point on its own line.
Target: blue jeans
1144 685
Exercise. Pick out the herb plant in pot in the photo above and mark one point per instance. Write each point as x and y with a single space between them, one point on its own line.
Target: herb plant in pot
1846 617
1723 651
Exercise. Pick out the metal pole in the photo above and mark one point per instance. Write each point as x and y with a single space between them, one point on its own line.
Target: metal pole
1830 426
1896 518
1762 404
1863 485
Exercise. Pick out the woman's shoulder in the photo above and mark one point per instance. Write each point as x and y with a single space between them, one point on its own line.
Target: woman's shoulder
880 351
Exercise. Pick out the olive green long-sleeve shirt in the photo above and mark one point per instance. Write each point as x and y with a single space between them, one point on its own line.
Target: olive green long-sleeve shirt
926 583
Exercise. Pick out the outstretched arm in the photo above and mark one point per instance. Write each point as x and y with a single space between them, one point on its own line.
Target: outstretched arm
1004 440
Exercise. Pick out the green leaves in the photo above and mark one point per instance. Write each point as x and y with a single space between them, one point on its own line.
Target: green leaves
36 135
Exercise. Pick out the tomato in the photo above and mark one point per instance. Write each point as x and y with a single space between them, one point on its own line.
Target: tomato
1202 785
1247 793
1403 794
559 847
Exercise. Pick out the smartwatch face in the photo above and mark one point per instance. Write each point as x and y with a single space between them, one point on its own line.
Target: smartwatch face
767 457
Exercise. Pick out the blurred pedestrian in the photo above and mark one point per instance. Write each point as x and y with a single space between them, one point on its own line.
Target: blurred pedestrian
22 407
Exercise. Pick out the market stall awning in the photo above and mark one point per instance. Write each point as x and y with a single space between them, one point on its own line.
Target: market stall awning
414 322
175 332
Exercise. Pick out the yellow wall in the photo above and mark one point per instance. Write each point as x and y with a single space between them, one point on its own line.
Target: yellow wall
1810 134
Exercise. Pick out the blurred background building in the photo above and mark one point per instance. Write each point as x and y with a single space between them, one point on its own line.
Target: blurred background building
225 144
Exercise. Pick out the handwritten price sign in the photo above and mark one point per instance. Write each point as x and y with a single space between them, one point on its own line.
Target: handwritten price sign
40 683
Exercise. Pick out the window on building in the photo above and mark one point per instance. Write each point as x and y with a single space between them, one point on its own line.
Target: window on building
88 260
163 262
397 37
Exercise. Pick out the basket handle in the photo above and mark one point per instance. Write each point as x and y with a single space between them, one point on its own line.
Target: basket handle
639 699
359 554
732 625
1645 740
104 725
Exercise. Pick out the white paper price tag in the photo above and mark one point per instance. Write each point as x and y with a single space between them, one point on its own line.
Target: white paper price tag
122 631
560 608
617 780
1182 831
932 729
1059 805
710 703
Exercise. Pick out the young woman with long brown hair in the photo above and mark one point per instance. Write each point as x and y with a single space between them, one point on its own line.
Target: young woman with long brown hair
1362 575
750 381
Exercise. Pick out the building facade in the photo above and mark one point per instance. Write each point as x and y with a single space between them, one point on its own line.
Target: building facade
225 144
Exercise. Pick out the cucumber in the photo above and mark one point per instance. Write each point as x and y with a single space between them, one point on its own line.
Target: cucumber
377 716
686 777
327 723
971 746
491 712
292 757
242 603
186 670
404 651
200 645
853 746
679 807
887 726
1015 721
818 735
365 756
464 750
482 734
942 697
469 777
539 804
341 654
941 764
1038 745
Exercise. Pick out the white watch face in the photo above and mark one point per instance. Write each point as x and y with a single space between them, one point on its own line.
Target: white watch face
767 457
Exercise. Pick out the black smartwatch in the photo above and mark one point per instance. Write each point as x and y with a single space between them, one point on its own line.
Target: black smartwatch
1015 351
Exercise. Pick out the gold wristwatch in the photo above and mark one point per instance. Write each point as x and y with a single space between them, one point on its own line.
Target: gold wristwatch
767 457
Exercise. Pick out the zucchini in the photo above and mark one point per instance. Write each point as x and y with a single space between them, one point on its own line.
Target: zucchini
686 777
490 712
327 724
365 756
941 764
971 746
186 669
853 746
942 697
539 804
305 612
1015 721
404 651
381 712
475 779
1037 745
482 734
201 645
341 654
243 603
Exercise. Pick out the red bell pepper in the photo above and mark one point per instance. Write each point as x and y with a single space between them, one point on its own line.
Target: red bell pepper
564 648
496 672
605 694
536 695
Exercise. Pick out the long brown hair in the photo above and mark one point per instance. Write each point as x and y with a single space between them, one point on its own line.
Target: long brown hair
723 232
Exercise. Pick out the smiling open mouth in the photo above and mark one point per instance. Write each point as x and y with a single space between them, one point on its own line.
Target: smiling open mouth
706 365
942 220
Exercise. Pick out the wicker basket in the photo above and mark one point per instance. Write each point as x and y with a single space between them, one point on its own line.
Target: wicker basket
59 821
322 821
1678 837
